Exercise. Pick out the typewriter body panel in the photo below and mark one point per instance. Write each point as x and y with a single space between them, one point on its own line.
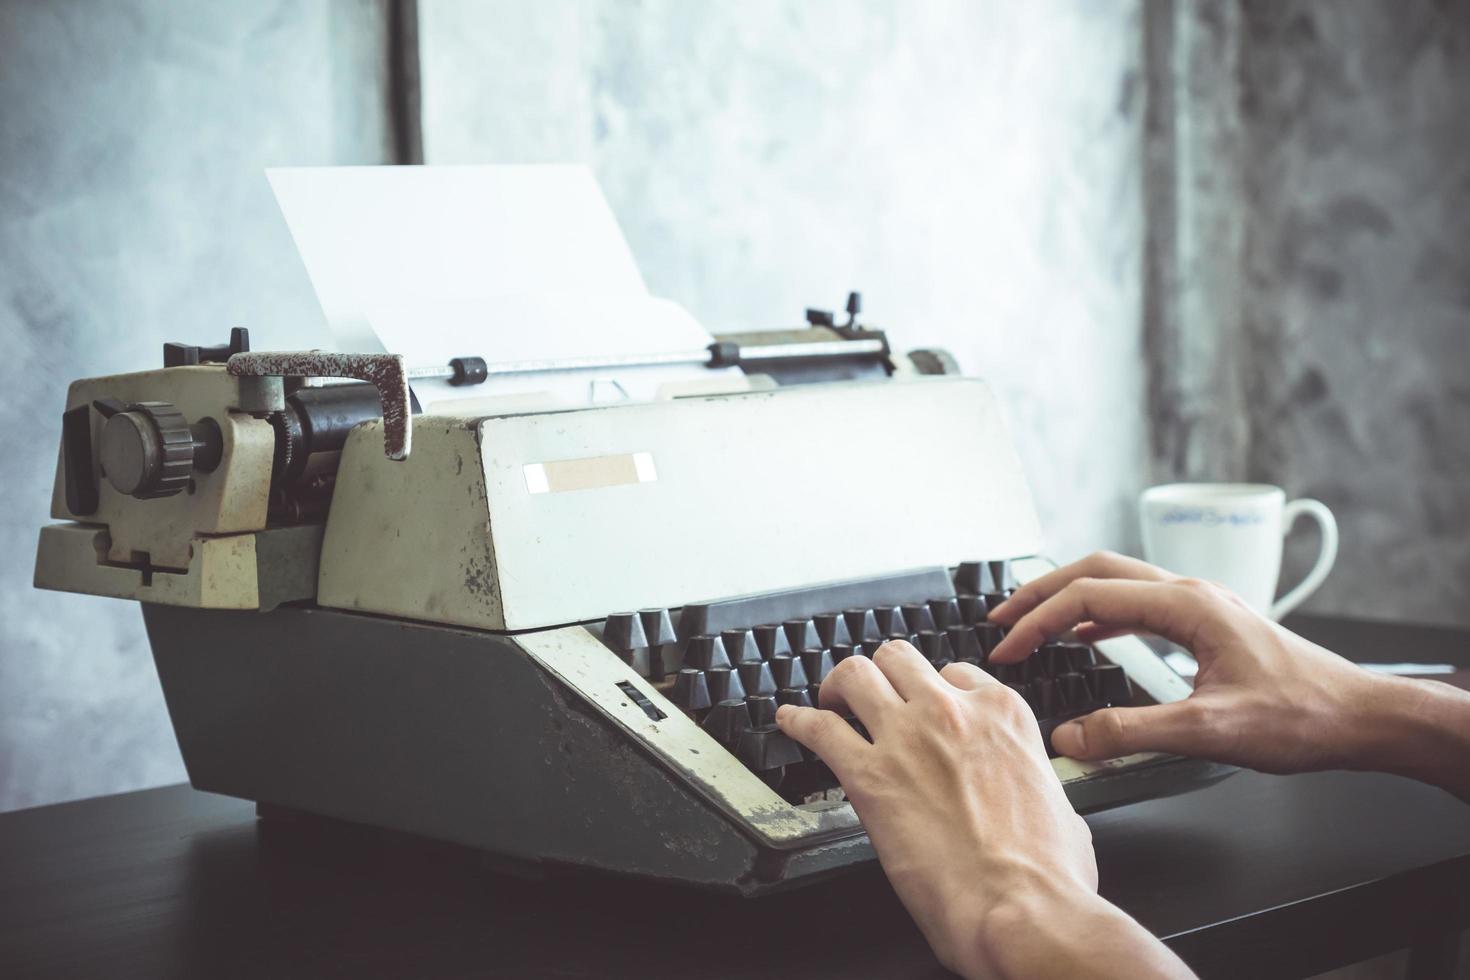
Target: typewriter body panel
494 641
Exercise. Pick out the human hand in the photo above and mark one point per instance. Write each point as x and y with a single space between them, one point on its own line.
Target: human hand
970 821
955 789
1264 697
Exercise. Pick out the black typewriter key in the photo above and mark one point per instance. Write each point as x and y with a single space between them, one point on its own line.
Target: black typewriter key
862 625
1024 672
972 609
705 652
841 651
766 747
980 577
1076 697
724 684
988 635
1108 684
993 599
770 639
1054 659
934 645
1079 656
946 612
740 647
658 629
798 696
831 628
623 633
964 646
817 664
727 720
762 709
788 672
870 647
917 617
691 690
757 678
1046 697
802 633
967 578
890 621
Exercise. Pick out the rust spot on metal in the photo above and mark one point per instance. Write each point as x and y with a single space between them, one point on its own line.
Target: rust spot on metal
386 372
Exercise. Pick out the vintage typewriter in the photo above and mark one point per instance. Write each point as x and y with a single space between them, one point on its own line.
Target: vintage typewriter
560 635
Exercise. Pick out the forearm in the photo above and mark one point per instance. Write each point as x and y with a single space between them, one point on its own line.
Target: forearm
1064 931
1416 728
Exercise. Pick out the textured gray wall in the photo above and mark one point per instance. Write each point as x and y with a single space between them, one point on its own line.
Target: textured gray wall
1299 285
133 210
972 167
1309 277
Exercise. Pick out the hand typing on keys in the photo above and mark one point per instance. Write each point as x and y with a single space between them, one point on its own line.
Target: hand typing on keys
969 820
1264 697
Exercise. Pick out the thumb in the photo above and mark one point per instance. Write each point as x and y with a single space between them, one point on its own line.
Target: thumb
1111 732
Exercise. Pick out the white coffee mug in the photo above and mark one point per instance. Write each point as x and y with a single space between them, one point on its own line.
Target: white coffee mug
1232 533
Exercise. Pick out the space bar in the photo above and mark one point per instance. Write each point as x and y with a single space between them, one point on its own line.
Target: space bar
709 618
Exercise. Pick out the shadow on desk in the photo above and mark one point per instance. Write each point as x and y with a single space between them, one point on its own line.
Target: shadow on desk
350 902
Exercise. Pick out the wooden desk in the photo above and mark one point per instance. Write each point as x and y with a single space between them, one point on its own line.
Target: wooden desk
1258 876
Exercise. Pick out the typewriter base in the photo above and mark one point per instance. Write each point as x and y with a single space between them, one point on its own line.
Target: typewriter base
460 736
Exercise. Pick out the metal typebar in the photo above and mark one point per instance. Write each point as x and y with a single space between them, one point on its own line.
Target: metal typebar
717 355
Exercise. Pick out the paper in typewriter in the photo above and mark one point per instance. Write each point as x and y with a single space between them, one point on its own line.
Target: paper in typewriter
508 263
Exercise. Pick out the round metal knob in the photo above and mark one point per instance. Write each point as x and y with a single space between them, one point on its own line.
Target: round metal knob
147 451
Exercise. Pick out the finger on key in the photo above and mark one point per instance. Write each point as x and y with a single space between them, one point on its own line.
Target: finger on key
833 740
906 669
1102 564
1158 607
858 686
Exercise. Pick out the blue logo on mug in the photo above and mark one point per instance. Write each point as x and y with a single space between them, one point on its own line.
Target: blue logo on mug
1209 517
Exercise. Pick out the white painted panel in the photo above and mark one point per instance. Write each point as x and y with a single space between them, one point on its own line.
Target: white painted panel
755 492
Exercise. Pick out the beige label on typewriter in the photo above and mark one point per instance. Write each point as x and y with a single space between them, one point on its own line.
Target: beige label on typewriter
590 473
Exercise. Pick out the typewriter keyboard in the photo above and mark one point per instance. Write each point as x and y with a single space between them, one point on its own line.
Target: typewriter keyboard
729 664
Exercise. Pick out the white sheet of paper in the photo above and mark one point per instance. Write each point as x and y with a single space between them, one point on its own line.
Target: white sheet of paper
505 263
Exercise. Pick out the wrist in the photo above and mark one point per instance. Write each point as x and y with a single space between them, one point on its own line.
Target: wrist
1407 727
1002 938
1063 928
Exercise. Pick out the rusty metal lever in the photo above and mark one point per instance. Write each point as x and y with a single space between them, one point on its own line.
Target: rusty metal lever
386 372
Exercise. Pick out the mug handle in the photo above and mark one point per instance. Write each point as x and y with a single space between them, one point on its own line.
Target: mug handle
1318 511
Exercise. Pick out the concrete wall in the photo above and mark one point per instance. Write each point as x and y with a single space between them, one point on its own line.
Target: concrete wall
972 167
1309 278
133 210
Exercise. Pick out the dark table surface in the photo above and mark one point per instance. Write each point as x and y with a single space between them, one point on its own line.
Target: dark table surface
1257 876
